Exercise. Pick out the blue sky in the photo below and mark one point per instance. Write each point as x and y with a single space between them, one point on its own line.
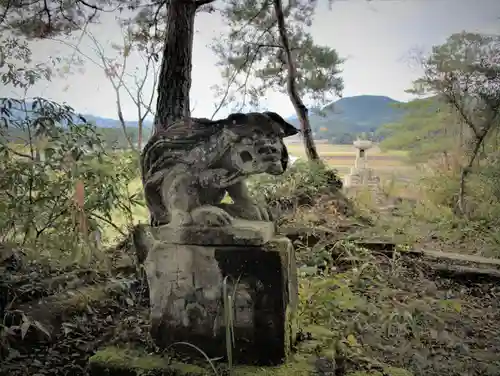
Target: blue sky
375 37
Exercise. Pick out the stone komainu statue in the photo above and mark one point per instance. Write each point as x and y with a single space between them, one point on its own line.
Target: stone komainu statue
188 168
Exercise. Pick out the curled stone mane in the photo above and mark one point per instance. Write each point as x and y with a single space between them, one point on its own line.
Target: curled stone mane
169 146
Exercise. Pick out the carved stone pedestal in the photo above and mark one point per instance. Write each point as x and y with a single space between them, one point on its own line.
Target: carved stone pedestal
361 177
188 270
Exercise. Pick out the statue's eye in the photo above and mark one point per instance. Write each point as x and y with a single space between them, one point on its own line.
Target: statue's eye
246 156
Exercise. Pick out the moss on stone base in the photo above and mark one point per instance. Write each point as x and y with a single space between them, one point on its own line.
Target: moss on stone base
298 366
395 371
387 371
113 361
291 329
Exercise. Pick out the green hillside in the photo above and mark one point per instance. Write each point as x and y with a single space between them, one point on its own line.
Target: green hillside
428 129
343 120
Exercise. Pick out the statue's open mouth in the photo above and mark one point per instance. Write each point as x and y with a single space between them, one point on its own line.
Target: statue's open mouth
275 167
271 158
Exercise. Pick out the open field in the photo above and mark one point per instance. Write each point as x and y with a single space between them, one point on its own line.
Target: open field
339 157
347 150
342 157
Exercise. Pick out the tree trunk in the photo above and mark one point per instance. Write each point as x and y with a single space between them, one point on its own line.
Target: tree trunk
465 172
300 109
175 74
139 137
122 121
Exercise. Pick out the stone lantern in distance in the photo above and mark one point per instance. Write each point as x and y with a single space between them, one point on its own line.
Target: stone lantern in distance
360 174
361 158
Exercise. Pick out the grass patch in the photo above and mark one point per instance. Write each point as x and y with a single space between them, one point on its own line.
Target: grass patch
115 361
424 211
377 315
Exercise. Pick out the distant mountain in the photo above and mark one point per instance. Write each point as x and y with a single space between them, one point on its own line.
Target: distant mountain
102 122
352 115
19 113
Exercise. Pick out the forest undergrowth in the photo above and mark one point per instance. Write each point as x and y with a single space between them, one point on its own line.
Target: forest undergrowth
361 312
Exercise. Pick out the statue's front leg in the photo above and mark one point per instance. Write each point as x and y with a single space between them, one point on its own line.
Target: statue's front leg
244 206
187 200
179 195
153 195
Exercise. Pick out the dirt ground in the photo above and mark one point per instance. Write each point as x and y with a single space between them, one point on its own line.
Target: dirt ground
385 311
460 337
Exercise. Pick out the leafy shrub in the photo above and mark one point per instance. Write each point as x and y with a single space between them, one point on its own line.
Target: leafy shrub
59 185
299 185
441 187
435 213
482 191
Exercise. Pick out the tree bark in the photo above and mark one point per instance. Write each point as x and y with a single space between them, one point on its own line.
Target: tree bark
122 120
466 170
175 74
139 137
300 109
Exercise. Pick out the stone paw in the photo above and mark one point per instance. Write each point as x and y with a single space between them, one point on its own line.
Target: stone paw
211 216
180 218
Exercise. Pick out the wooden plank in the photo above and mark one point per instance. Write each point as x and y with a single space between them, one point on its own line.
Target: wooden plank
460 257
467 274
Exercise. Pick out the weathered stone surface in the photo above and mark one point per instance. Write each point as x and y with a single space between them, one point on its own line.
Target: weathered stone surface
360 174
186 284
188 168
240 232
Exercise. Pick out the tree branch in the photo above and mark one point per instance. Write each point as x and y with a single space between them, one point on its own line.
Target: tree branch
6 10
299 106
245 65
117 80
96 216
